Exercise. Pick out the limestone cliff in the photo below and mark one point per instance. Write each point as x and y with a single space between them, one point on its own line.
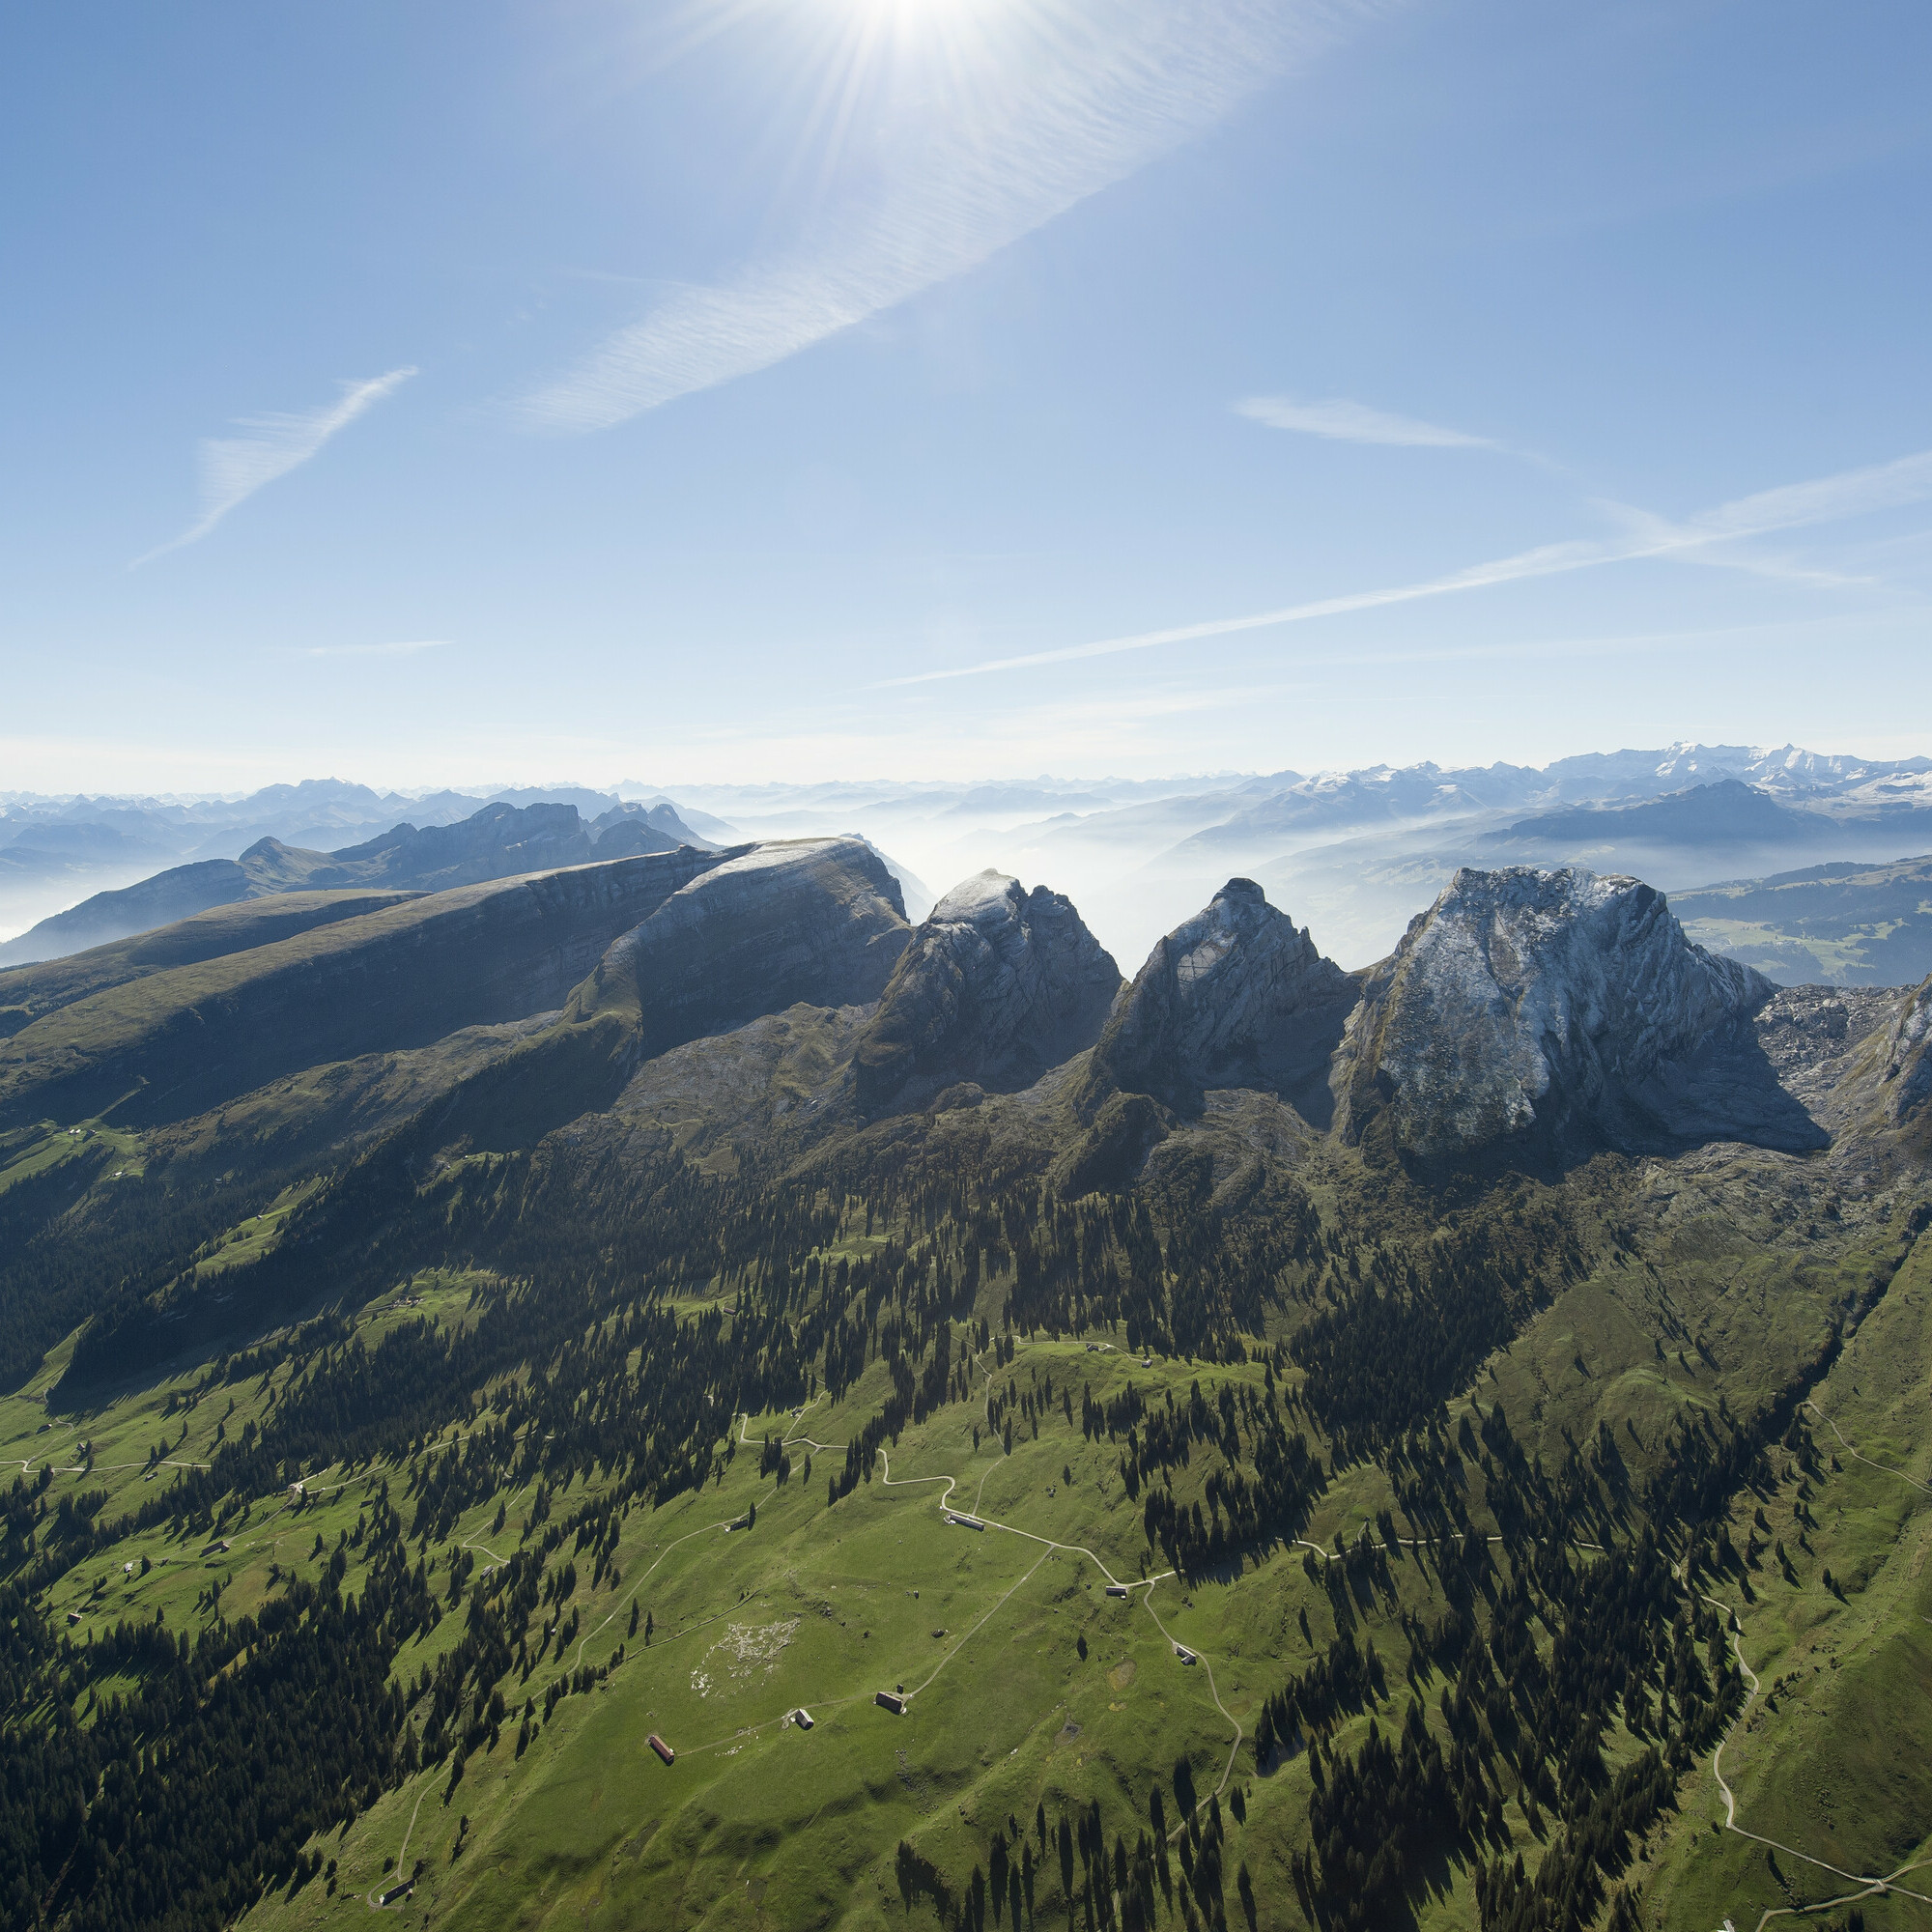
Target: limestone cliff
1238 996
1908 1070
1559 1010
998 986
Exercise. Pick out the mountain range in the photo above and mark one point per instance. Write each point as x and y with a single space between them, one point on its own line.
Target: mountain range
1353 851
661 1388
1485 1025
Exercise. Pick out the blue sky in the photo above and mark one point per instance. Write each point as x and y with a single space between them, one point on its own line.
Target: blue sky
791 388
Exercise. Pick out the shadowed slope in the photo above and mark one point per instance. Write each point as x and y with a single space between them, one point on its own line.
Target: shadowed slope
28 993
1237 996
998 986
814 919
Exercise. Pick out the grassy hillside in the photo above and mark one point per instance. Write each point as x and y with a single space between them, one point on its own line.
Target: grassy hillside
29 993
1658 1301
182 1038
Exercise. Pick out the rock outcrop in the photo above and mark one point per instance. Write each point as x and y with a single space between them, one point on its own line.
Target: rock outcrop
1908 1070
1560 1011
812 920
1238 996
998 986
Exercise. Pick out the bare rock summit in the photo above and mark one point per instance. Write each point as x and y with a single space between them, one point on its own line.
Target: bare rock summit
1563 1012
1237 996
998 986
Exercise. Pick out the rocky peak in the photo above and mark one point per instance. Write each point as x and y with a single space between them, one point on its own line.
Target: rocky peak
1557 1008
1909 1062
817 921
1238 996
998 986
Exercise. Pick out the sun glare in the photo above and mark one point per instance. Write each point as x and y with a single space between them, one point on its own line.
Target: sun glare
916 16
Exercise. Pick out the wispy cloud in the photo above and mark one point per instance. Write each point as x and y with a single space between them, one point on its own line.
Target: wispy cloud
1852 493
1056 103
405 648
233 468
1343 422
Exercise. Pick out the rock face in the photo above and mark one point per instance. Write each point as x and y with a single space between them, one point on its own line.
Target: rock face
998 986
812 920
1908 1069
1560 1010
1239 996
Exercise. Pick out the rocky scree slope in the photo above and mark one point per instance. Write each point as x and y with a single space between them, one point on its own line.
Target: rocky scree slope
818 920
1556 1012
1237 996
997 986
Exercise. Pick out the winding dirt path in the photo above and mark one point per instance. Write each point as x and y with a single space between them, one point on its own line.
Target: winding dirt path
1884 1468
1869 1885
1234 1749
375 1895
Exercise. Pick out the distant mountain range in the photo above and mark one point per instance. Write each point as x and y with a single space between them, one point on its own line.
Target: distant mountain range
1353 852
52 839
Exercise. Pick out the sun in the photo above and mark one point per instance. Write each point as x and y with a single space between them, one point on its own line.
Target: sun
867 66
914 17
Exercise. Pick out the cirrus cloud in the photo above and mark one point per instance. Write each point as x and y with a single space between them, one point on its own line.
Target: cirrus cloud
233 468
1343 422
1064 101
1708 537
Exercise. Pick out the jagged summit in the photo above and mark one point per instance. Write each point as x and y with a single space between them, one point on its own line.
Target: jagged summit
998 986
1237 996
812 920
1560 1008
